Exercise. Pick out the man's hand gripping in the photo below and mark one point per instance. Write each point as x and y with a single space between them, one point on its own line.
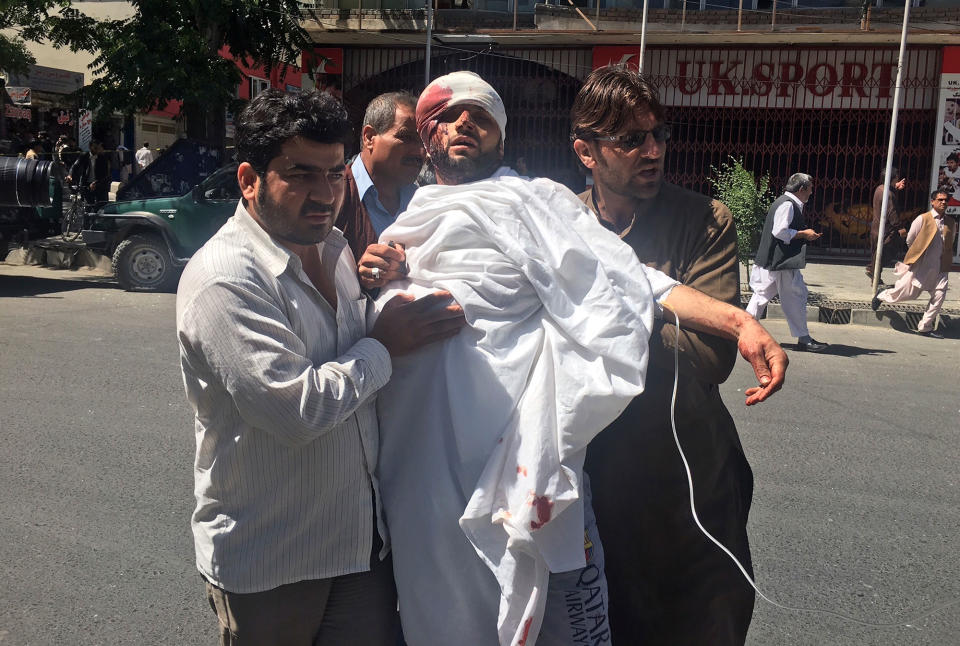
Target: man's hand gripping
406 324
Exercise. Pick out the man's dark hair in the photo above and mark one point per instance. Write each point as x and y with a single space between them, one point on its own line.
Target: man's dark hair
273 117
798 182
954 157
382 110
894 173
610 97
940 191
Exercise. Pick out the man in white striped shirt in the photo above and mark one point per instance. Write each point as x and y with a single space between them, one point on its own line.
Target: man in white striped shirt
282 373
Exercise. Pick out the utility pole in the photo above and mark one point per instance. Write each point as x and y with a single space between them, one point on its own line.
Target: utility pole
426 81
643 37
878 257
3 109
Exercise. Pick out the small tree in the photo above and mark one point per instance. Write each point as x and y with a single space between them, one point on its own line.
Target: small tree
748 200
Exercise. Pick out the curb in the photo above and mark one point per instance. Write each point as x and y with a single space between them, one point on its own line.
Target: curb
902 320
60 256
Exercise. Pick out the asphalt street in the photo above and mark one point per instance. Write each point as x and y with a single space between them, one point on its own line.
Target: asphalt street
856 503
856 507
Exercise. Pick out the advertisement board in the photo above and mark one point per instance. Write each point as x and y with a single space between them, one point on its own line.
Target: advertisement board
48 79
794 77
17 112
946 147
323 70
19 95
86 130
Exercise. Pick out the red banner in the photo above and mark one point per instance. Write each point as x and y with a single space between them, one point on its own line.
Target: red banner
323 60
951 60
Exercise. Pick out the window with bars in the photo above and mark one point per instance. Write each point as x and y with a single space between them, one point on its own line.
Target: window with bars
258 85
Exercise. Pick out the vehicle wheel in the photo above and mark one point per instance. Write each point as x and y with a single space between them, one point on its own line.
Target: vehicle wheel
142 263
72 223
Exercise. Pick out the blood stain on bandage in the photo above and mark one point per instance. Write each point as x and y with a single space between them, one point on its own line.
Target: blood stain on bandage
436 95
544 507
429 106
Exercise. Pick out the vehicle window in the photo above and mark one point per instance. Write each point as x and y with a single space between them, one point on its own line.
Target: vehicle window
222 185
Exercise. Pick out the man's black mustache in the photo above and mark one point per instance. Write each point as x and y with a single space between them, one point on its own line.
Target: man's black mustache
316 207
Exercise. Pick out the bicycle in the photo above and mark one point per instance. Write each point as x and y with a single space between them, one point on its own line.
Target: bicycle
75 216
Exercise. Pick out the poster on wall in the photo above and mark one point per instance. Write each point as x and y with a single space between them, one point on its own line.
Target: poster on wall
946 149
66 118
86 130
19 95
322 70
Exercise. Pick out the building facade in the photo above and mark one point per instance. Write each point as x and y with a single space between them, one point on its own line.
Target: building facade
807 90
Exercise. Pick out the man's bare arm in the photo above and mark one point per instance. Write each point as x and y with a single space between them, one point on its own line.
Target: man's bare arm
698 311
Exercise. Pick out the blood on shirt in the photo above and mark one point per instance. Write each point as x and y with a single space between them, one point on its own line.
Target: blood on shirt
544 507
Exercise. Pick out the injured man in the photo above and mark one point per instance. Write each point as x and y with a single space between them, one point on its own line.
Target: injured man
483 436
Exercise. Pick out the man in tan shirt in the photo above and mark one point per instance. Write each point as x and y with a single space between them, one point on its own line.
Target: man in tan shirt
928 262
668 584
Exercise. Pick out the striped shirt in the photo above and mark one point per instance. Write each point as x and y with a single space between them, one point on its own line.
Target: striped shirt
283 389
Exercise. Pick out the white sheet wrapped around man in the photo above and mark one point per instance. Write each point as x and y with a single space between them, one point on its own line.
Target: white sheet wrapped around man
490 428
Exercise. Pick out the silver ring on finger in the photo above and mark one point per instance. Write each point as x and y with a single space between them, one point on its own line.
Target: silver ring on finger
375 272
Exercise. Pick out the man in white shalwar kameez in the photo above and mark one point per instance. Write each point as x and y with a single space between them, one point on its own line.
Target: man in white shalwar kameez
926 267
781 255
483 438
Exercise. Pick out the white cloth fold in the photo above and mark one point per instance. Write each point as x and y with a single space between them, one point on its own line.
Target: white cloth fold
490 428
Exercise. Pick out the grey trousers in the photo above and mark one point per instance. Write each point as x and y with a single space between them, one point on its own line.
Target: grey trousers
343 611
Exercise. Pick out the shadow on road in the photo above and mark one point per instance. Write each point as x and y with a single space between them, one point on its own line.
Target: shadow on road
839 350
35 287
952 332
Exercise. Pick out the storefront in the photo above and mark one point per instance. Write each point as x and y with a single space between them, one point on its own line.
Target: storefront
49 101
820 110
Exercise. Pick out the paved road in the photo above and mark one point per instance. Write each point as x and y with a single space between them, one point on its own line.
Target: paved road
95 542
856 506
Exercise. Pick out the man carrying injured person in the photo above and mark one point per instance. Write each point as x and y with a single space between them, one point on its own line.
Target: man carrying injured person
483 436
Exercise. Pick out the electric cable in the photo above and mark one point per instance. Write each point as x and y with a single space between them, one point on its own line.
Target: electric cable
693 509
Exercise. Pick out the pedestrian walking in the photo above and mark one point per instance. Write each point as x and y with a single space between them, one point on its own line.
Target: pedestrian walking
781 254
144 156
895 230
926 267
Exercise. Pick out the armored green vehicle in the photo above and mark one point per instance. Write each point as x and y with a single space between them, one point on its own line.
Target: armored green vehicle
150 240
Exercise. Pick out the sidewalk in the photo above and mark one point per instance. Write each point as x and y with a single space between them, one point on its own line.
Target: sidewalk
841 293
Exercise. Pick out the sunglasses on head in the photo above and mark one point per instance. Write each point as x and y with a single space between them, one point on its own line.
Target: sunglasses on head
634 140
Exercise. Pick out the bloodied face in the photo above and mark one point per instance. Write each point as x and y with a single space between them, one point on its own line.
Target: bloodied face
466 145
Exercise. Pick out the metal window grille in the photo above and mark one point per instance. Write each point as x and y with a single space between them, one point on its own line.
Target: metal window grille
832 121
